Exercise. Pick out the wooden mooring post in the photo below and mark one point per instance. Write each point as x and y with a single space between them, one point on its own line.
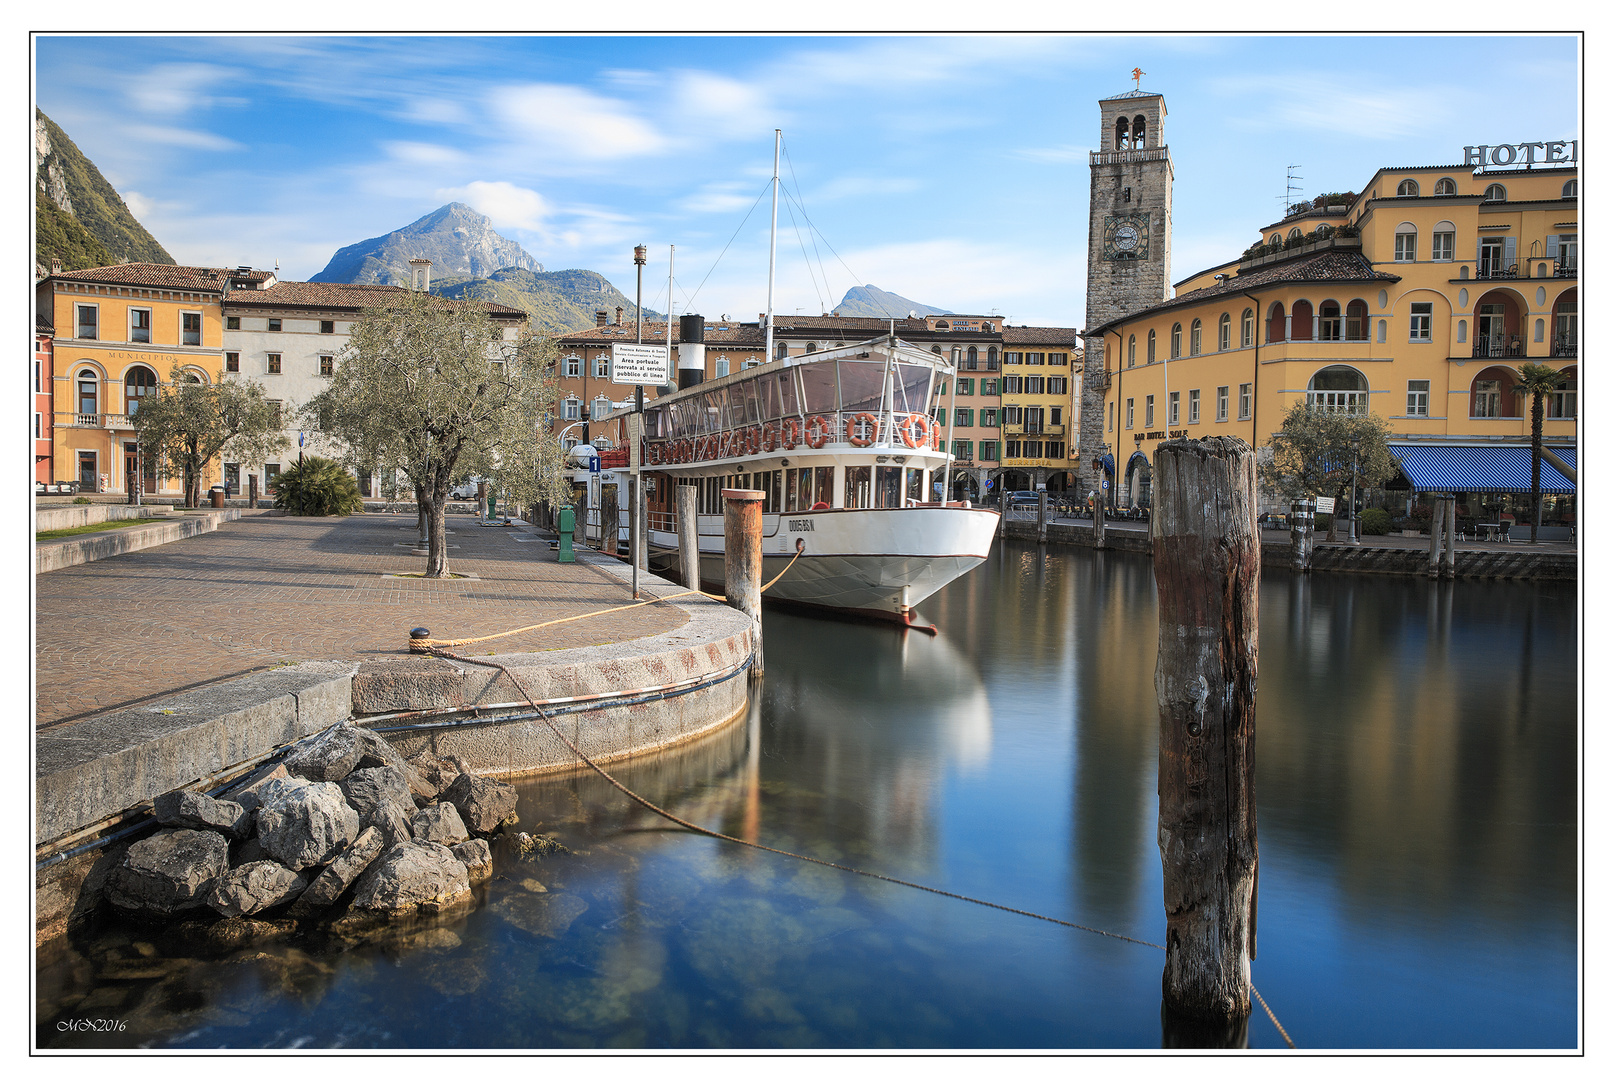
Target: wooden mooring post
609 520
1041 514
744 563
1205 556
691 571
1099 522
1303 534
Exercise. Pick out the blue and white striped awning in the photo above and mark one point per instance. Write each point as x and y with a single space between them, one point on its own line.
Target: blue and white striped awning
1481 468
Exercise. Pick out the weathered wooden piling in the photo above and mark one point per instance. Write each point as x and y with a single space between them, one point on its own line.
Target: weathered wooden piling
686 535
1436 536
1041 503
1098 523
744 563
609 520
1303 535
1205 541
1450 537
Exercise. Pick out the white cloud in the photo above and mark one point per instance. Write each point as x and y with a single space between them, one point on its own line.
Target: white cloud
175 89
190 138
569 121
1054 155
859 187
1290 101
420 153
719 104
507 205
717 199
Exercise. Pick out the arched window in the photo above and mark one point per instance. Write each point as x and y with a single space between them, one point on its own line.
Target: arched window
1175 341
1568 326
1339 389
941 325
1131 351
1492 394
1323 229
1563 404
87 393
1121 134
1225 331
1276 323
1356 323
1405 242
1152 346
936 350
1444 242
1302 330
1571 189
1197 337
1495 193
1275 238
1138 134
1332 326
1406 189
722 367
1444 186
1295 234
1247 327
972 358
809 347
601 365
140 385
994 359
781 350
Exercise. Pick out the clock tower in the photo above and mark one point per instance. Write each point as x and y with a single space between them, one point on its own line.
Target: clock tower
1128 264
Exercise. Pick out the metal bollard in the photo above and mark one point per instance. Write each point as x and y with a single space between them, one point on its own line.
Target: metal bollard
565 534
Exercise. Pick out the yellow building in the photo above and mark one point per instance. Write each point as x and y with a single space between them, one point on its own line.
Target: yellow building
1416 299
1038 426
119 332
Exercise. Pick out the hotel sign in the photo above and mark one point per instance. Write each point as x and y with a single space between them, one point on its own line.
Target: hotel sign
1561 152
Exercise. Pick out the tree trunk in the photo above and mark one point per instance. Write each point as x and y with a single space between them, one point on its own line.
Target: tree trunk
1205 540
1537 417
438 558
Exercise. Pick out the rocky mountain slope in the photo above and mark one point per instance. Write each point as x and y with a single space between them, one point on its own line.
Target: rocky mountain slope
870 302
558 301
79 218
460 241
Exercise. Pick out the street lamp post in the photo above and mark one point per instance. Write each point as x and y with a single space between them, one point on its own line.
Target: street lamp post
1354 490
638 498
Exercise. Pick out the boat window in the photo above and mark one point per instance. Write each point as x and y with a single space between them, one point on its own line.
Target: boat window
857 488
911 382
913 485
820 388
769 397
862 385
750 401
889 479
713 414
788 386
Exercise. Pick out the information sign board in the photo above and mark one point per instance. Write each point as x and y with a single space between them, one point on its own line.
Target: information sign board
1323 504
640 365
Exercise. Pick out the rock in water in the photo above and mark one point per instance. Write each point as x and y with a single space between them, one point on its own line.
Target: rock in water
306 826
412 875
256 887
384 799
439 824
325 889
194 810
479 862
483 804
173 871
546 915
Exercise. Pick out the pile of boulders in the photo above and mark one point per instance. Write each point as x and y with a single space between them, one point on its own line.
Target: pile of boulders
344 817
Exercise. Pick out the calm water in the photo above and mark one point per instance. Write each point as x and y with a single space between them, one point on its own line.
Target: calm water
1418 849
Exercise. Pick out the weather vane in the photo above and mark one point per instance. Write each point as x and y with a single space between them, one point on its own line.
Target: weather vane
1136 74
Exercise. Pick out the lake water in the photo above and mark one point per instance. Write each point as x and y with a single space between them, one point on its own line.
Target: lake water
1418 846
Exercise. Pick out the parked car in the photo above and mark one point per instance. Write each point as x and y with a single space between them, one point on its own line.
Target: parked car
1025 498
466 490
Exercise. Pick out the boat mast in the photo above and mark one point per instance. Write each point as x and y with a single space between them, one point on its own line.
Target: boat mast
770 288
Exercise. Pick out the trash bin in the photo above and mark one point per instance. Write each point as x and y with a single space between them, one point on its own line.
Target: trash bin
216 497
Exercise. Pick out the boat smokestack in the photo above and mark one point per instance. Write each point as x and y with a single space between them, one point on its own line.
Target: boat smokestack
691 350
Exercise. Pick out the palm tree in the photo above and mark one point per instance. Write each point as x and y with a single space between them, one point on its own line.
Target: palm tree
1536 380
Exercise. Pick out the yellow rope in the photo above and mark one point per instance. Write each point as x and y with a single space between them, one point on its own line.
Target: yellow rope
423 644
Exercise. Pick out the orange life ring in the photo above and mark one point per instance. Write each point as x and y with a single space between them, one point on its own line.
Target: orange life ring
938 434
750 441
790 434
913 430
767 438
868 420
815 430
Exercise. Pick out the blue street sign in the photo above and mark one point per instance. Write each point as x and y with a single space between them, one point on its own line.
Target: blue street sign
595 464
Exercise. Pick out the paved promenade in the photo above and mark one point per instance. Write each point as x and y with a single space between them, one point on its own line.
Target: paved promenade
269 589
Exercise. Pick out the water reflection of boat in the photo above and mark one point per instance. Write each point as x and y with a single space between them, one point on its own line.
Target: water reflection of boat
845 448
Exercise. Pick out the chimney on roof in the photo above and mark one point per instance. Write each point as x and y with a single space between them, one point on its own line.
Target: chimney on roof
56 265
601 317
619 319
419 274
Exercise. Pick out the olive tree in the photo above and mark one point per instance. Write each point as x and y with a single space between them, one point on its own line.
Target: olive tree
1319 451
427 385
192 423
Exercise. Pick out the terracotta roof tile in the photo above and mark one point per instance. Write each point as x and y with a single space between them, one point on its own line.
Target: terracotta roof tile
160 275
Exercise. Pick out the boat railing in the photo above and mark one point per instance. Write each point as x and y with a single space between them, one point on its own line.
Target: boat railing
859 428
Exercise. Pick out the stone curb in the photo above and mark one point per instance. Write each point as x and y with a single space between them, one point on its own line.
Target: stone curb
55 554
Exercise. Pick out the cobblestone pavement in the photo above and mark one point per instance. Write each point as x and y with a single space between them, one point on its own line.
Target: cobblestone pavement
269 589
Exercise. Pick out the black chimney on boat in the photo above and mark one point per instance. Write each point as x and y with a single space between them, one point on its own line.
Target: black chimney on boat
691 350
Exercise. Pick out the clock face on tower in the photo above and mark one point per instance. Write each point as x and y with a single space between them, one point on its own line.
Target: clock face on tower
1125 237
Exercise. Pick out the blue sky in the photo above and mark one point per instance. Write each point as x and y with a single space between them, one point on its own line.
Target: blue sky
950 169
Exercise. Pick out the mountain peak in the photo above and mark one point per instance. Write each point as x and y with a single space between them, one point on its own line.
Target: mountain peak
460 241
868 301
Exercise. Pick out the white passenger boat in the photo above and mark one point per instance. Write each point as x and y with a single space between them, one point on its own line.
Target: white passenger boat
844 445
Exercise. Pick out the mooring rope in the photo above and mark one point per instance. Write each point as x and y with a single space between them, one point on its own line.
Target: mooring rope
703 831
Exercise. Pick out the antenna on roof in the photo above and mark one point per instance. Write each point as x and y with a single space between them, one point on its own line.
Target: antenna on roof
1287 198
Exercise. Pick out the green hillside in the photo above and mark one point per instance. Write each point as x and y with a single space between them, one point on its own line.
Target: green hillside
558 301
70 182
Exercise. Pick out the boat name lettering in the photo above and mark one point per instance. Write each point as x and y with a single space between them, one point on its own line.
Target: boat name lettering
800 524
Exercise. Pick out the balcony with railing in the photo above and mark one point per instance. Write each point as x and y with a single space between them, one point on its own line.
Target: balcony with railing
1345 402
1566 345
1499 347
